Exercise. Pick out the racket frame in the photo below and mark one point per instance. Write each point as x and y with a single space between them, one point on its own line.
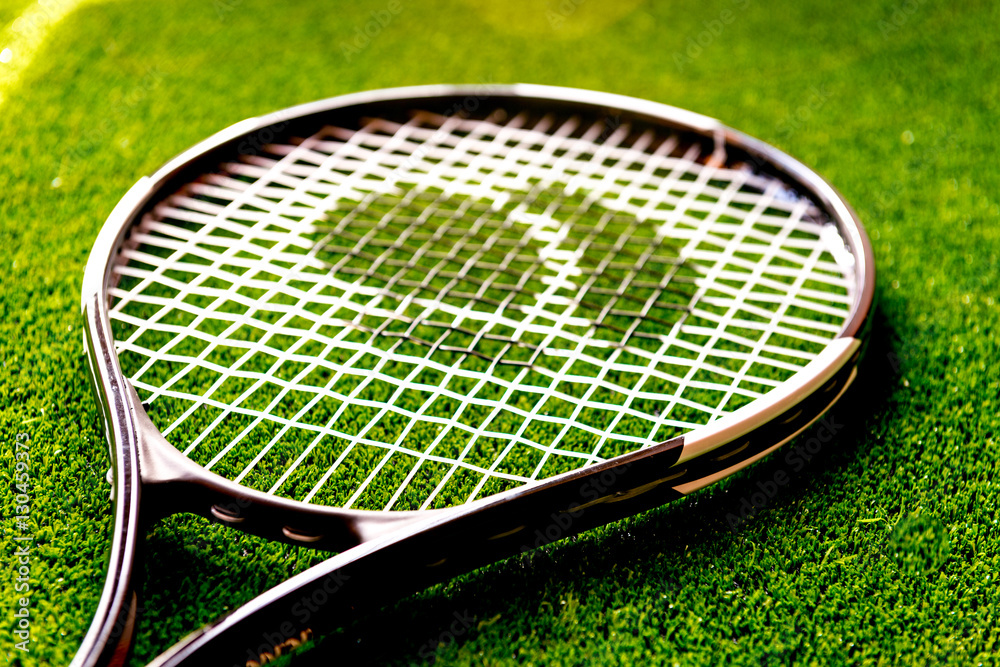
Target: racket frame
143 463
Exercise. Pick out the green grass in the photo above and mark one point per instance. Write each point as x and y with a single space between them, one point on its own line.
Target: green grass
882 549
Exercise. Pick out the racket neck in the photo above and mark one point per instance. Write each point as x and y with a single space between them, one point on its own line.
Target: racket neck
172 483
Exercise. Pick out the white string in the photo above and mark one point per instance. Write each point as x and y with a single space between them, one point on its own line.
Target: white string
357 255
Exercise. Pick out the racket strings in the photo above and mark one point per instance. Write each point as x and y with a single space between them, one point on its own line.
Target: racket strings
416 314
537 262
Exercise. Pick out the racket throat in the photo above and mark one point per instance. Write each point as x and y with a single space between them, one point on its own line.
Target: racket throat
171 483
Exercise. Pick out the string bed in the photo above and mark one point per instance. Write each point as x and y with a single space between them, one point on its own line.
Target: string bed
414 314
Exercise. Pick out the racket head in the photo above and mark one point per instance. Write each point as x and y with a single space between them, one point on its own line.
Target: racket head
713 451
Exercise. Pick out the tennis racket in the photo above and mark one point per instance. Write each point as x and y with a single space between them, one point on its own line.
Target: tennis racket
428 328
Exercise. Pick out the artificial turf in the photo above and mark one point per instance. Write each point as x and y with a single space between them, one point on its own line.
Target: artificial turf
881 549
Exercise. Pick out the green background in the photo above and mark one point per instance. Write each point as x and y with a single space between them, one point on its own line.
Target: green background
882 549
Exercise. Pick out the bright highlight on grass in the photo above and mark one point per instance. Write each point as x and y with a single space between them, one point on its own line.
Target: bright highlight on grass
22 39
